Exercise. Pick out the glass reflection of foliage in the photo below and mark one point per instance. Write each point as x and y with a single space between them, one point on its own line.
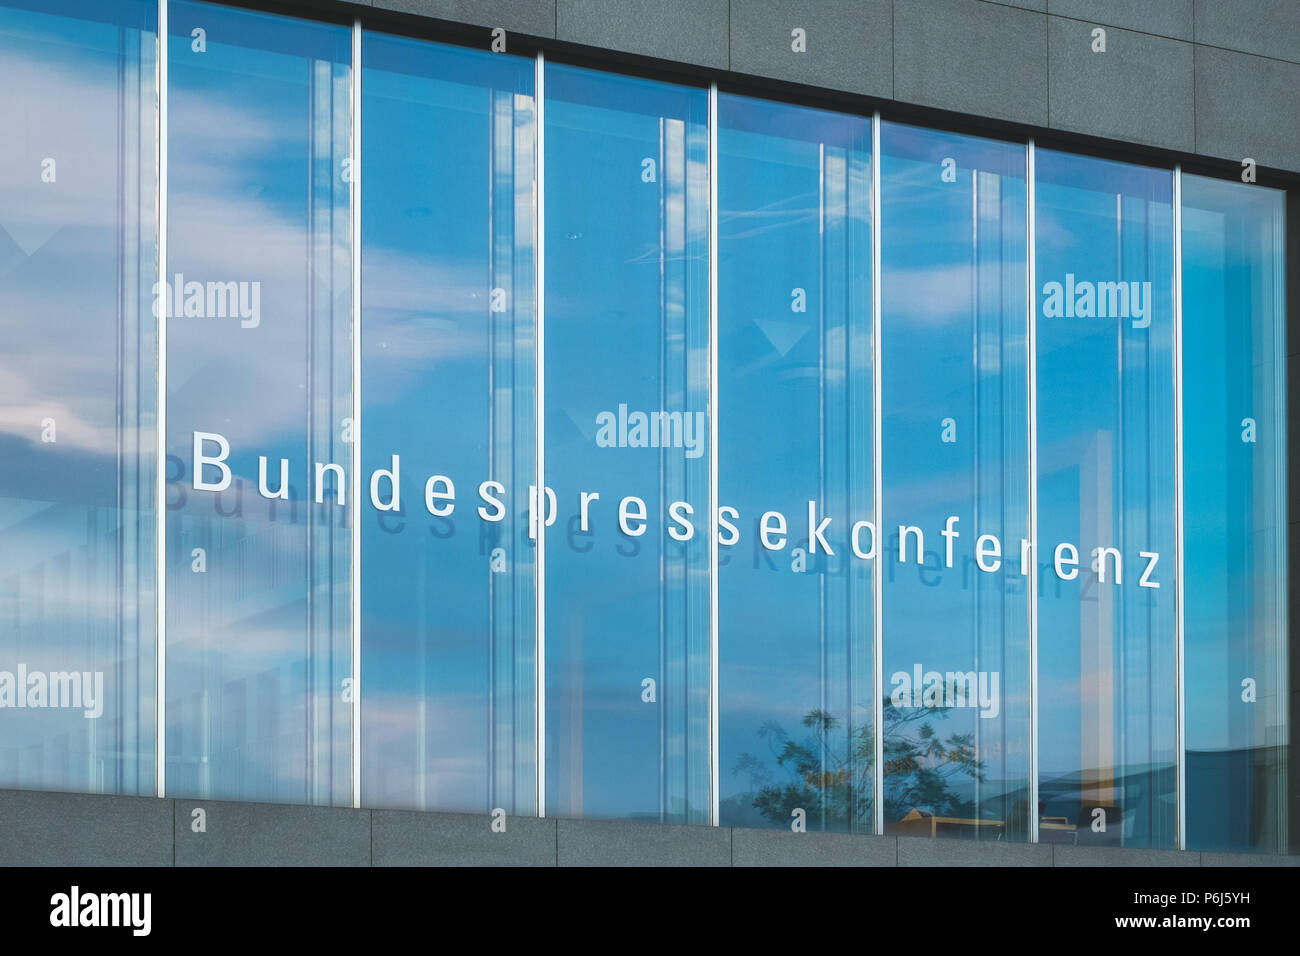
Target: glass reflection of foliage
918 767
829 774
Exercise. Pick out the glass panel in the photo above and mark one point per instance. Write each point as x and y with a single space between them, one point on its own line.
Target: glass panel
627 601
955 429
1234 487
77 397
796 700
259 353
448 598
1105 502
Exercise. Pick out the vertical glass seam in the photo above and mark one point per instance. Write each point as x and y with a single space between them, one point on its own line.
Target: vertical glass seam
356 413
160 491
877 478
1031 585
1180 763
539 419
714 755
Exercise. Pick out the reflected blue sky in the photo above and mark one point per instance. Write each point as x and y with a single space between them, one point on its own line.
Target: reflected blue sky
1106 479
1235 514
794 346
258 641
626 324
448 612
955 422
77 194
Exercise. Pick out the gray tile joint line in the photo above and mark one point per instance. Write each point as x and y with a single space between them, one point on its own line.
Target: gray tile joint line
1148 33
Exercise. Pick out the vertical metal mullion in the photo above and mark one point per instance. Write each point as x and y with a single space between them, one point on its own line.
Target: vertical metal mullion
312 780
714 757
539 418
878 594
1031 588
356 414
160 478
662 662
822 671
1180 822
493 146
1280 464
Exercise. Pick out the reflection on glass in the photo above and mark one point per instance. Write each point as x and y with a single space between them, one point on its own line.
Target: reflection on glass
1106 674
1234 460
259 352
627 599
955 463
794 434
448 598
257 300
77 402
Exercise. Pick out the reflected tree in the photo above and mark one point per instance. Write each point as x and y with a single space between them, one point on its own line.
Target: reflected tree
827 770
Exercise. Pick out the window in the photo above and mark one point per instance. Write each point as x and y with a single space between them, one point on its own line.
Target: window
795 365
448 597
258 305
1234 454
956 471
77 401
1106 507
627 308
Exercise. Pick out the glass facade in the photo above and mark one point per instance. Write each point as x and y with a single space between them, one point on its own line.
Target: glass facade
447 327
627 451
533 438
955 464
1106 500
257 301
796 610
1234 440
78 403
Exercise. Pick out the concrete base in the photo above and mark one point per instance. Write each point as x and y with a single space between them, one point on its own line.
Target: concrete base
70 829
